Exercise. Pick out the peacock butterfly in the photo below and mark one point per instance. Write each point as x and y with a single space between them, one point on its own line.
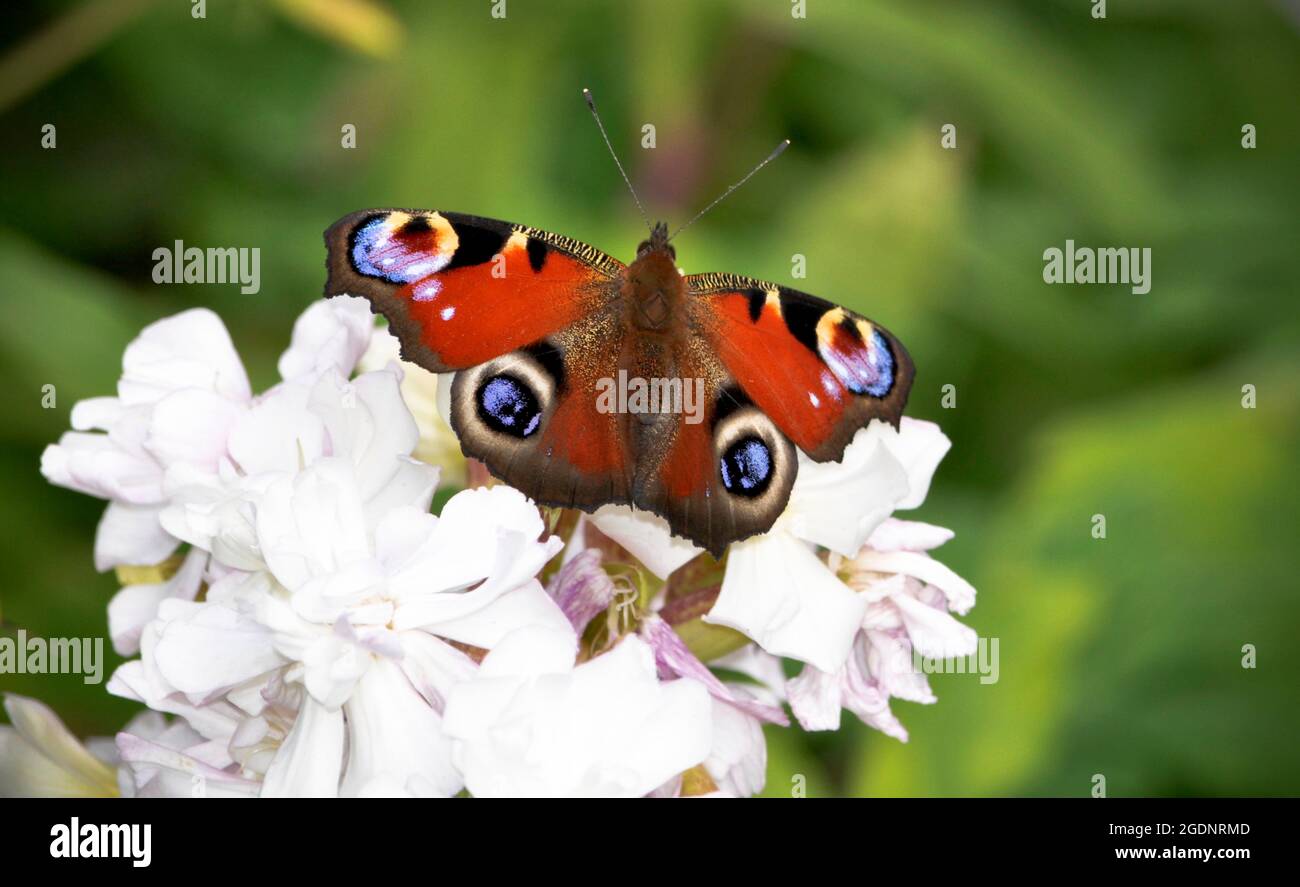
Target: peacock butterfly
535 324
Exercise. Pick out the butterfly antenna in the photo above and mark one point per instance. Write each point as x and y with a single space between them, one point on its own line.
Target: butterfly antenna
776 152
591 103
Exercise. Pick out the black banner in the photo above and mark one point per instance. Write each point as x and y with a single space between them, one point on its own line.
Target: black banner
1174 836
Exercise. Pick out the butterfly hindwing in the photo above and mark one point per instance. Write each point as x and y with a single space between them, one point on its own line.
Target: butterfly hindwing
531 416
819 371
459 290
723 478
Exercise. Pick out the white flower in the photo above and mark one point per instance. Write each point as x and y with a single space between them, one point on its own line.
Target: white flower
319 658
331 335
172 760
674 659
532 723
645 535
776 589
134 606
40 758
737 761
355 605
182 401
363 421
910 598
422 391
182 385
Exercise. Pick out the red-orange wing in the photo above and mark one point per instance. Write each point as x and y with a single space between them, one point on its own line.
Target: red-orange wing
459 290
819 371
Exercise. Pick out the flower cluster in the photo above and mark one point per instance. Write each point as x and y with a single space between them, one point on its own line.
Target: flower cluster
311 627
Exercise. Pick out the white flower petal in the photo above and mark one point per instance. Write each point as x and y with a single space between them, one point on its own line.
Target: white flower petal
401 535
411 485
647 536
870 703
674 659
279 433
839 504
815 698
765 669
310 760
131 535
98 466
876 590
531 652
960 593
312 523
100 413
934 632
162 772
920 446
367 421
215 720
395 738
433 666
332 668
203 647
779 594
134 606
737 762
464 546
525 606
331 335
216 515
486 539
191 426
349 591
39 756
889 661
907 535
607 728
189 350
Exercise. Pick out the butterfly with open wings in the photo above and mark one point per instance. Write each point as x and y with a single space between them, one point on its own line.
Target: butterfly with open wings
532 322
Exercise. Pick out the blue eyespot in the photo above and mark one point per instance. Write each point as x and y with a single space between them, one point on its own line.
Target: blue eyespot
390 255
884 366
747 467
861 367
506 404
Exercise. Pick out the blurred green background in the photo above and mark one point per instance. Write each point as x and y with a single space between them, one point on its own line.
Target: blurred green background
1120 656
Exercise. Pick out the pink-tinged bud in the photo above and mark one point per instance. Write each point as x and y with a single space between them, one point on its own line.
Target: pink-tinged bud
675 660
582 589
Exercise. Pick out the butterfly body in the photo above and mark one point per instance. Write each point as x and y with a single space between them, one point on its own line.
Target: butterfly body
537 326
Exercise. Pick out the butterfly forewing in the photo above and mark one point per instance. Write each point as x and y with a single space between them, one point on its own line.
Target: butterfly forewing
459 290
